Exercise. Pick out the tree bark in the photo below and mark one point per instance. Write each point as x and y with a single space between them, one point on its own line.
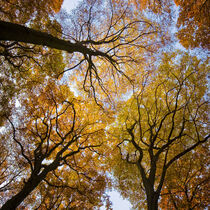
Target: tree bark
152 201
15 32
29 186
16 200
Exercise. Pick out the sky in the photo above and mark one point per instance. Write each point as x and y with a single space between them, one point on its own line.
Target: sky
118 203
70 4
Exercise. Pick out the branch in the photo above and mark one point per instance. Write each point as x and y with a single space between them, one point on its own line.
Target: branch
187 150
19 33
21 146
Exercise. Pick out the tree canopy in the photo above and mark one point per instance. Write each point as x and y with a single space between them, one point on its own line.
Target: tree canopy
165 119
101 98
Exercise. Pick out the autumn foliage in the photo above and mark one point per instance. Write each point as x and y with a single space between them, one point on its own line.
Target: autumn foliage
101 98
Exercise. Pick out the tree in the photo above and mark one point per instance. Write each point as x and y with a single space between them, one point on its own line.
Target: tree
97 38
54 143
164 120
21 62
20 11
186 186
193 23
22 69
193 19
57 149
31 58
90 49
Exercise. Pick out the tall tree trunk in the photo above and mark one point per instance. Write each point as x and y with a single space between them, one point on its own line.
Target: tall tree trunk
152 201
29 186
16 200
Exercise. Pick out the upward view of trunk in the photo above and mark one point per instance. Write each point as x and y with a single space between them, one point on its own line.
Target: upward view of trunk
17 199
34 180
151 195
152 201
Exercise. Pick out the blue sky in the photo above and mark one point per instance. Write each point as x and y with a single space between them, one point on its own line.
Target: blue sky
118 203
70 4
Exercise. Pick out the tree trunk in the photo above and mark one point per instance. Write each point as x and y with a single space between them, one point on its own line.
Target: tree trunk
15 32
152 201
34 180
16 200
